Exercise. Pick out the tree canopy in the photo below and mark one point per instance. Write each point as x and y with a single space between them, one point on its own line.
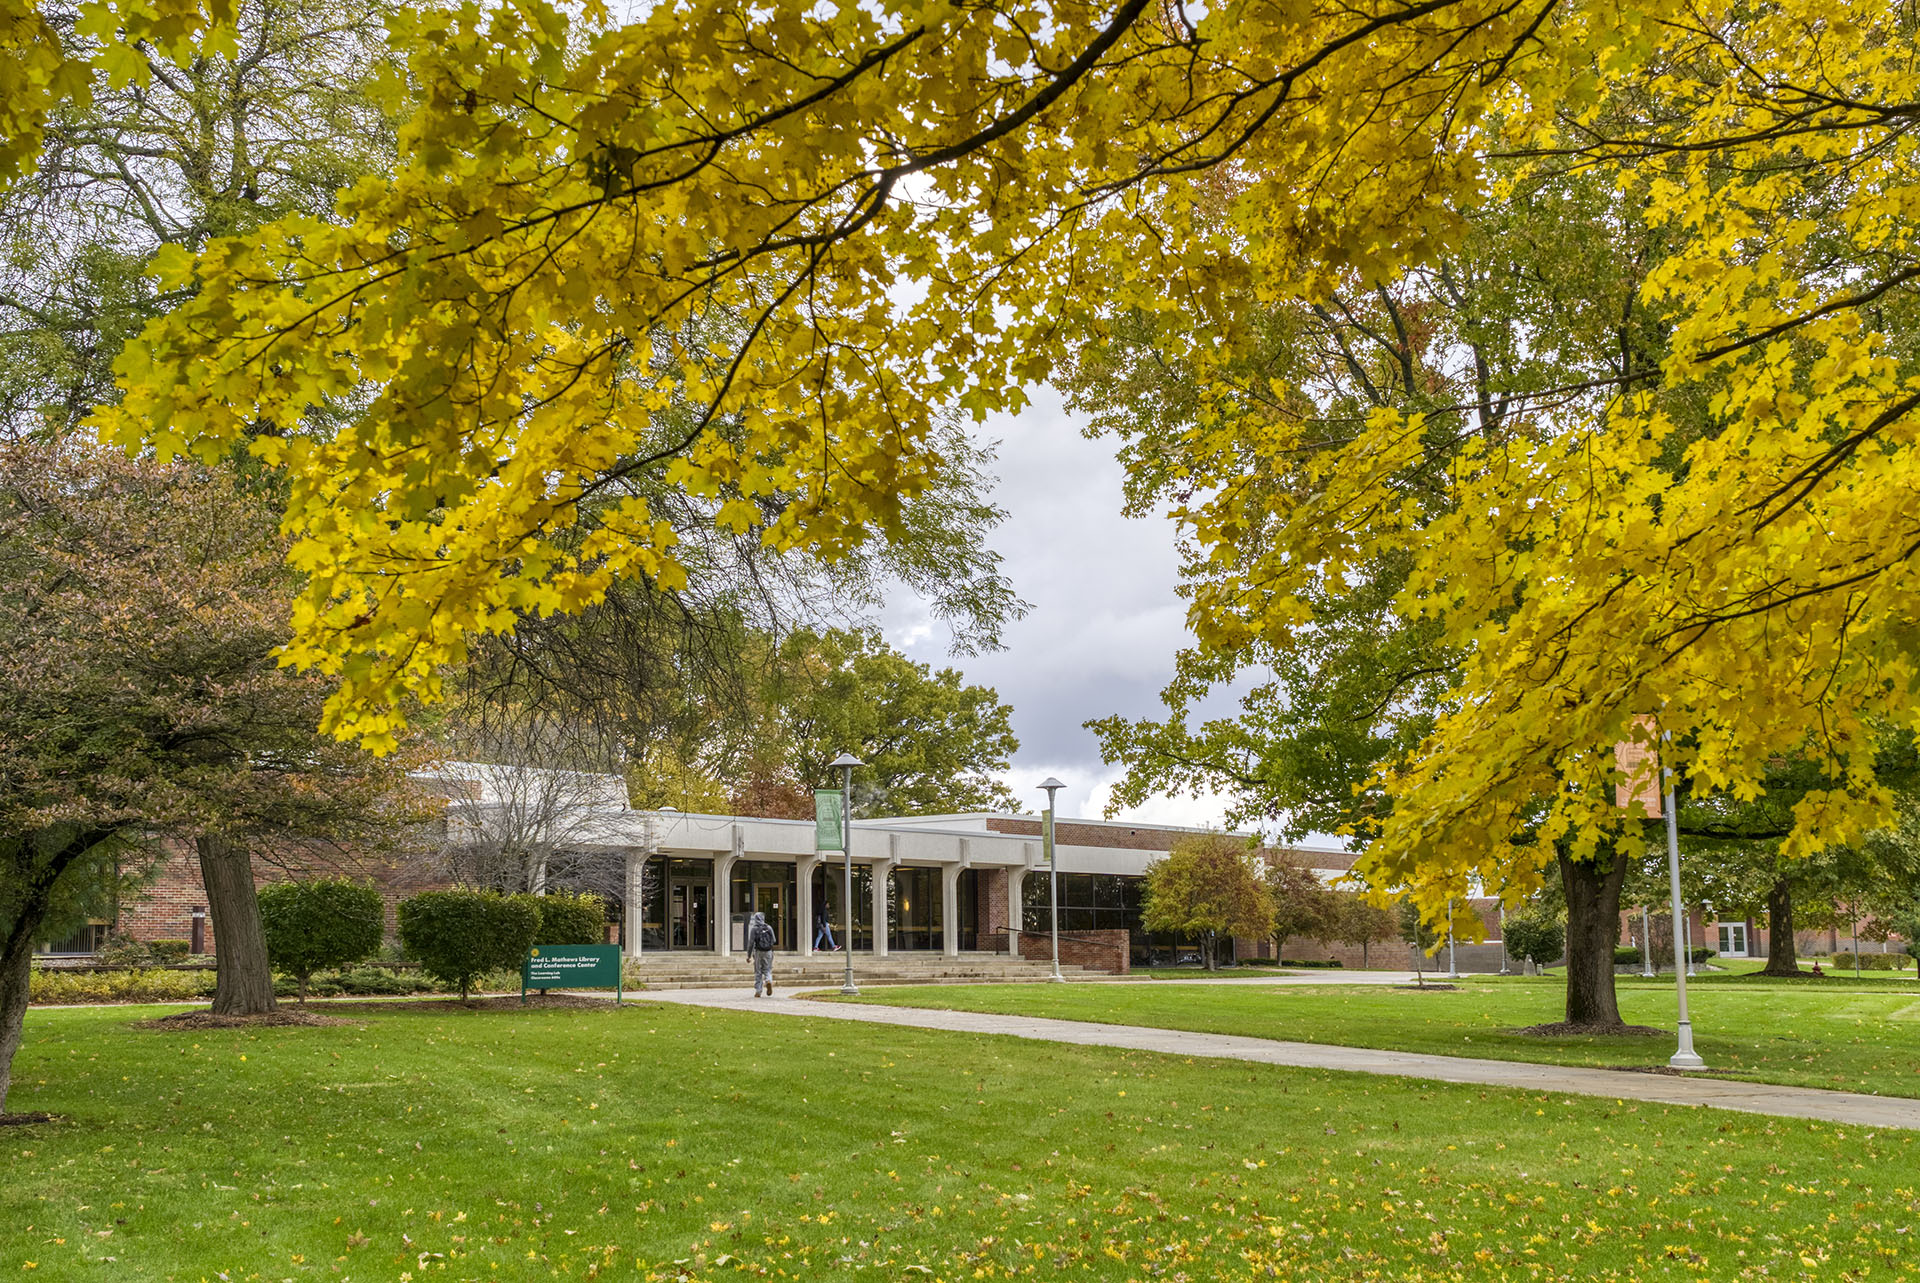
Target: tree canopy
900 208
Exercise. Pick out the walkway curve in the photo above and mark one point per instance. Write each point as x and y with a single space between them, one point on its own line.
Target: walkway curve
1850 1108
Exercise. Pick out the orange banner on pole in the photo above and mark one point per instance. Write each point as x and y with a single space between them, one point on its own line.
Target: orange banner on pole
1639 762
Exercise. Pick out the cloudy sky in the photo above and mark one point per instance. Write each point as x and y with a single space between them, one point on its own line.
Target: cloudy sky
1105 622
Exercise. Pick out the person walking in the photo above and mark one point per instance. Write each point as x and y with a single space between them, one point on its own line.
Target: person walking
760 942
823 930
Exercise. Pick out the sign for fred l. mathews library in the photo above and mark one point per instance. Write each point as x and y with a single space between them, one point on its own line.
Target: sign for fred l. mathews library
586 966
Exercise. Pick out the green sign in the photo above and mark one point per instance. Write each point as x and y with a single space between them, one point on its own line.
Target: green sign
829 832
585 966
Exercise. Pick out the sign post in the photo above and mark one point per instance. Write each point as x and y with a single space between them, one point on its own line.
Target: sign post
586 966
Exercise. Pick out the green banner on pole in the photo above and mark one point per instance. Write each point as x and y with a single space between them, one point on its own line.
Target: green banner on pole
828 820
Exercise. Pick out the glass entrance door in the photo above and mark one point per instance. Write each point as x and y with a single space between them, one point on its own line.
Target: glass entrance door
1733 939
770 898
689 921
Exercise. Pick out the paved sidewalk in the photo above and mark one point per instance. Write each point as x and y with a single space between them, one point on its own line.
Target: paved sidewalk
1850 1108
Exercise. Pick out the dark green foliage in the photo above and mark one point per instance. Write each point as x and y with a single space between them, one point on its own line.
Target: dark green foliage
459 934
1537 938
1627 956
324 923
124 951
167 952
566 918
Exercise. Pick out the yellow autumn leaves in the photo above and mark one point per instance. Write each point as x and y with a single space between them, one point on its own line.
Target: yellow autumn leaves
749 254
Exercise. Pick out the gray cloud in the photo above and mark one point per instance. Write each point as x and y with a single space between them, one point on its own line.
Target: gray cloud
1106 621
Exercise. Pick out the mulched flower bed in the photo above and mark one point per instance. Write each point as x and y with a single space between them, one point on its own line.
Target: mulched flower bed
24 1120
500 1002
1563 1029
192 1021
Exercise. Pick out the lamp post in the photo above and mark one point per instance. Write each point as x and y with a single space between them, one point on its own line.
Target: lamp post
846 762
1503 939
1689 925
1453 972
1684 1056
1052 786
1646 941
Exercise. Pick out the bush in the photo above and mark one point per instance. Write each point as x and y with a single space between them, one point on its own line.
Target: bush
53 987
124 952
1698 956
571 919
169 952
1327 964
381 982
458 935
1871 962
1535 938
324 923
1628 956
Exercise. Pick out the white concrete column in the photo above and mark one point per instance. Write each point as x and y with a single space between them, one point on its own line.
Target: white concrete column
1016 905
950 910
635 908
882 874
722 906
803 868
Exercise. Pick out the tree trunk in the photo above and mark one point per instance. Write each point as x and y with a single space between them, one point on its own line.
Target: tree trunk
36 861
15 982
243 982
1782 958
1593 928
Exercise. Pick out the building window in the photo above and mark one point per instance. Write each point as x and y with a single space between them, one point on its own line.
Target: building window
87 939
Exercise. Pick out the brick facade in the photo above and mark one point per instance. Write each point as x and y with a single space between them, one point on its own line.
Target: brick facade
167 908
1109 951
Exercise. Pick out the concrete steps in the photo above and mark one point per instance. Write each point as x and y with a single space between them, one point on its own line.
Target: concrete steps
708 971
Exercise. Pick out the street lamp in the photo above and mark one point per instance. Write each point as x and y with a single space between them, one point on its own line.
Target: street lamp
1503 939
1684 1056
846 762
1646 941
1453 972
1052 786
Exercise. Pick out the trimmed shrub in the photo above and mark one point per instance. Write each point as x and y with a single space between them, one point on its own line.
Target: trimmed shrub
1699 956
1535 939
566 918
322 924
1325 965
458 935
1628 955
168 952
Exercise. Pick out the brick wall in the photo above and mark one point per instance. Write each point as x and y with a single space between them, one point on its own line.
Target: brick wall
1108 951
990 910
164 911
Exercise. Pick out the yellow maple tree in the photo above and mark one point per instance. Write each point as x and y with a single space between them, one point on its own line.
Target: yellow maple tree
908 205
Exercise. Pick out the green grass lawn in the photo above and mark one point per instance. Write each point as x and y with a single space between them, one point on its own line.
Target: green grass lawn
664 1143
1854 1038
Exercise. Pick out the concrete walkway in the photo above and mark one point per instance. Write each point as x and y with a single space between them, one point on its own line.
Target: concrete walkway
1850 1108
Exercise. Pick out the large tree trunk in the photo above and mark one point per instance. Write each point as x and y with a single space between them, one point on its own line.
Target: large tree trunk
15 982
35 863
1593 928
243 983
1782 958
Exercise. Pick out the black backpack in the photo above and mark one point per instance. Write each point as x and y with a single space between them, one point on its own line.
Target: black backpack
762 937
